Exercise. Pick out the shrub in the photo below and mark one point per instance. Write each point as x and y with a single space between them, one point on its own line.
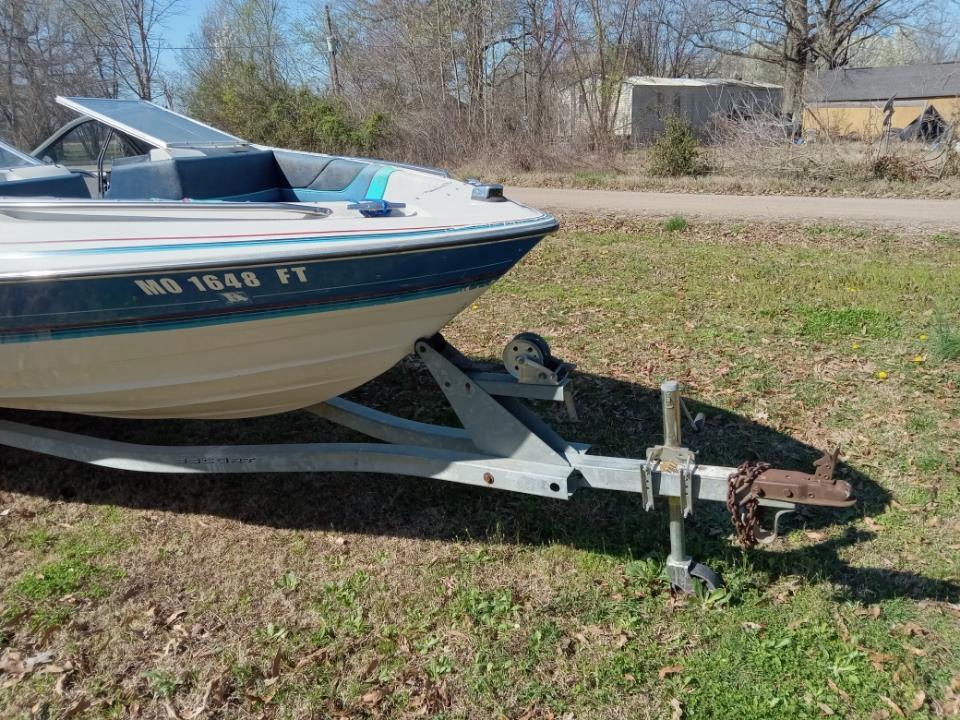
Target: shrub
895 167
246 104
677 151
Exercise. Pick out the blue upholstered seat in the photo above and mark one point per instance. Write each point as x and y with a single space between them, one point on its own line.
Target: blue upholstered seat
57 186
246 175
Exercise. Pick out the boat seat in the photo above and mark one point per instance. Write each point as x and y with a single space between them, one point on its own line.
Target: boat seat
248 175
57 186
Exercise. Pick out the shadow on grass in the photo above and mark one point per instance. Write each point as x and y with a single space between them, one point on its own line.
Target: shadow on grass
619 418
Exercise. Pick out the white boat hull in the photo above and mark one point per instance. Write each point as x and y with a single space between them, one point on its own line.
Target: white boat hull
230 370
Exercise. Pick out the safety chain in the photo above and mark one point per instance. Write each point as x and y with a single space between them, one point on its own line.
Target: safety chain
743 503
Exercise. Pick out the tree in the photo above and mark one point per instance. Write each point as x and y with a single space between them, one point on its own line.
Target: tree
244 79
129 29
799 35
662 42
44 52
449 73
542 47
597 33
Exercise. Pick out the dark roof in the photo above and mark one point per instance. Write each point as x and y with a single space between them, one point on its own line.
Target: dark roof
882 83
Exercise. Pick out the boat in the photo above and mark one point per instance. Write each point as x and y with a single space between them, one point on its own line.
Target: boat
217 278
213 278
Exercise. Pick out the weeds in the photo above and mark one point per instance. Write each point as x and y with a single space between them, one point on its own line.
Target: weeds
288 582
676 224
945 339
895 167
163 683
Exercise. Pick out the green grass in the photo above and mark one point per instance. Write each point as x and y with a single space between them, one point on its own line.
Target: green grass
945 339
366 596
71 570
826 323
677 223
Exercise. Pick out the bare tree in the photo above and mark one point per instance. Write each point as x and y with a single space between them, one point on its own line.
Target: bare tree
597 34
798 35
663 42
43 52
130 29
542 48
450 73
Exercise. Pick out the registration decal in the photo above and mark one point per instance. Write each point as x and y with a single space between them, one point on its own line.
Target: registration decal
219 281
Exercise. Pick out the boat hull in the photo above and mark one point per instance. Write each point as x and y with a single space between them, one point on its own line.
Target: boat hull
226 370
190 343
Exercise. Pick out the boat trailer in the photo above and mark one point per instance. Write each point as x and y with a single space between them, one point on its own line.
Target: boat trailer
503 444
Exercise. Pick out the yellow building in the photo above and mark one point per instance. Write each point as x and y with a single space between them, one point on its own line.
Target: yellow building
850 102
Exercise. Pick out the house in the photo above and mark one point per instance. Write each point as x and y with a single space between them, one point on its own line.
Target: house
643 103
850 102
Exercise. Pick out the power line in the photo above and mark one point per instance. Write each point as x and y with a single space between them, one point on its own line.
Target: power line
318 45
245 46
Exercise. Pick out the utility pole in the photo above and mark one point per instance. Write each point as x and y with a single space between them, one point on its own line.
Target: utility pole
333 47
10 98
523 70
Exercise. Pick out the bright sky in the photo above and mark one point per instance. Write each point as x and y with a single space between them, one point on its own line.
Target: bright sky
181 26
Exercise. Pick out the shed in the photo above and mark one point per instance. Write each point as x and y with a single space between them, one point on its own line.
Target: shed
850 101
645 102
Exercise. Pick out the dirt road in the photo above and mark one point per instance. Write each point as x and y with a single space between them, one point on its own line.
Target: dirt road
933 215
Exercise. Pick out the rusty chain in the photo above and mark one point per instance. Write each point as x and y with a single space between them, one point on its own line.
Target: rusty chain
743 503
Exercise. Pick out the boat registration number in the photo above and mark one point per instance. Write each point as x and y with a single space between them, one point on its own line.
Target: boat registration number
220 281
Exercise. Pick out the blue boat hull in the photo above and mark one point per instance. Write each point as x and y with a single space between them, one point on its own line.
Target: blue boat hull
37 310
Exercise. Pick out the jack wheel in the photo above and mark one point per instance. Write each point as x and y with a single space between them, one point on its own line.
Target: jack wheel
710 579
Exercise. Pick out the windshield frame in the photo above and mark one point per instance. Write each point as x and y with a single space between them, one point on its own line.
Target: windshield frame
25 159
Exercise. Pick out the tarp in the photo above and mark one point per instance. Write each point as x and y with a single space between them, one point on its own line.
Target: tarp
928 127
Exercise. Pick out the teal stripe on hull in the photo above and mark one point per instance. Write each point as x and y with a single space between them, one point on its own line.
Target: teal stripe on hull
233 318
507 230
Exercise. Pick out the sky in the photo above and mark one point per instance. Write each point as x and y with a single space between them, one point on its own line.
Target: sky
178 28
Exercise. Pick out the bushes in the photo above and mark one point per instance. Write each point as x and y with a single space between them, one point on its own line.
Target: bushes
246 104
895 167
677 151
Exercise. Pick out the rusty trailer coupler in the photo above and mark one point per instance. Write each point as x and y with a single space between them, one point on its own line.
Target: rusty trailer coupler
755 481
820 488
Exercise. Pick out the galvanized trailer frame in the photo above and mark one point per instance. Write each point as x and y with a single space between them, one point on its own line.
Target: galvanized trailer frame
503 445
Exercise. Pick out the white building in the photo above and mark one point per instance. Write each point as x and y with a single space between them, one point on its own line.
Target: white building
645 102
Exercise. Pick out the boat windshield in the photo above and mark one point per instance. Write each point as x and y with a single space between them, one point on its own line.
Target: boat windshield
10 157
151 123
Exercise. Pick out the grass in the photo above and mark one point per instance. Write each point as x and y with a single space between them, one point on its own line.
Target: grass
946 339
677 223
355 596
